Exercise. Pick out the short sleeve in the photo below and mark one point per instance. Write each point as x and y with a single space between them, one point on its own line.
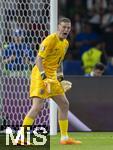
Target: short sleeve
47 46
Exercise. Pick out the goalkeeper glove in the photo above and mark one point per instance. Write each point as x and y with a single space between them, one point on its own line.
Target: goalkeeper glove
43 75
60 76
66 85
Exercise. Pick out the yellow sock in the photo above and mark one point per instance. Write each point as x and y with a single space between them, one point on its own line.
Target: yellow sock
28 121
63 128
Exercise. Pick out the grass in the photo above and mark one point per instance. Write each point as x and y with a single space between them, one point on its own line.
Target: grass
90 141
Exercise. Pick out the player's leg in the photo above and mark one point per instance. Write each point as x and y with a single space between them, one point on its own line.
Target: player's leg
63 108
37 105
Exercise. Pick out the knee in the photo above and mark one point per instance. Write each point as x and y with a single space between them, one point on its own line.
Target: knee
65 106
37 106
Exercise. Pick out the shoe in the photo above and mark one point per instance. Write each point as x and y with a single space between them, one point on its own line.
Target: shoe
70 141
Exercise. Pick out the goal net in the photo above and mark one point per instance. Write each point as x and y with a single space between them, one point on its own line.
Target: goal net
23 25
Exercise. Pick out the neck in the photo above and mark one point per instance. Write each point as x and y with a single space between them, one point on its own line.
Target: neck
60 38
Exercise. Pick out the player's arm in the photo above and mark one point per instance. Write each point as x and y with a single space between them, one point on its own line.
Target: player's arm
39 64
45 48
60 76
46 81
42 54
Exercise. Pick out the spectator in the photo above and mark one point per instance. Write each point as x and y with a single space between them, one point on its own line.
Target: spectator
96 20
77 23
97 71
108 40
108 17
96 4
93 56
85 39
16 55
76 6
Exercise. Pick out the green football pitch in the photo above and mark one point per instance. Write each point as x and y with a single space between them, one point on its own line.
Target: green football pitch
90 141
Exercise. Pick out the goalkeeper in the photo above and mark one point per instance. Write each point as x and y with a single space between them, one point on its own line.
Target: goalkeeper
47 79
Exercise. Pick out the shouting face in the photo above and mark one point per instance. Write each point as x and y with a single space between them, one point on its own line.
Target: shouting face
64 29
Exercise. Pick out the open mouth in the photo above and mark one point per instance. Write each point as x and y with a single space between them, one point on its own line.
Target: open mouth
65 34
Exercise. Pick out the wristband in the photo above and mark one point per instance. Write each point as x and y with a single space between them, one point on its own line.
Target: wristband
43 75
60 78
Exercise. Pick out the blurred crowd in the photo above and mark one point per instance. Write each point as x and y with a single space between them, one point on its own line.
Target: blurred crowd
90 38
91 35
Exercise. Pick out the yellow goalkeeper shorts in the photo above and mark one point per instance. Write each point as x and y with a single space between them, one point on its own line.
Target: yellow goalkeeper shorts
38 89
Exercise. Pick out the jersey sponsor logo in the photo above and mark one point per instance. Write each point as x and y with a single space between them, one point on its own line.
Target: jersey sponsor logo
42 91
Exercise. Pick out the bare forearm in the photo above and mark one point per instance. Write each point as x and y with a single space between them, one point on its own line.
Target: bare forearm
39 63
60 75
60 69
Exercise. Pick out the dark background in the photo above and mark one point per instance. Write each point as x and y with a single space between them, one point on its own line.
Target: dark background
91 100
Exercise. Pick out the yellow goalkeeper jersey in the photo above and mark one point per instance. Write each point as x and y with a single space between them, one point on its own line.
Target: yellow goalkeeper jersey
52 50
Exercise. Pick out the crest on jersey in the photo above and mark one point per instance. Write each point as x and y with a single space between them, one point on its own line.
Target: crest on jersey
42 47
42 91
